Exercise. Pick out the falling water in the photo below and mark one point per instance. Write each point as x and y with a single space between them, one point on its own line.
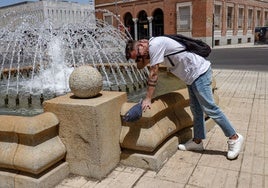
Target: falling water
37 59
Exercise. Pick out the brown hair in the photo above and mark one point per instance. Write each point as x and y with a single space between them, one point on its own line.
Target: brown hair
129 48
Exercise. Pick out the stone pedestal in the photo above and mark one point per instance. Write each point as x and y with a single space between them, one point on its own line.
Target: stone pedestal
90 130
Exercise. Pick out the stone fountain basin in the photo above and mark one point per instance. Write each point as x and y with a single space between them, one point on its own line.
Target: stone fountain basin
91 137
30 144
169 114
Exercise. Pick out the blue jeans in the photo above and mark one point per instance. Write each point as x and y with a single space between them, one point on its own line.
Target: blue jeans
202 101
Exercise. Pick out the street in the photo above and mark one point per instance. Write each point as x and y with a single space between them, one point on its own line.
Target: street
240 58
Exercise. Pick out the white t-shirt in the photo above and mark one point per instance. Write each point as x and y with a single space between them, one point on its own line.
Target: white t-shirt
187 66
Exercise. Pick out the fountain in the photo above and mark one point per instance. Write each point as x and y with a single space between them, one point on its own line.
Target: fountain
83 136
36 61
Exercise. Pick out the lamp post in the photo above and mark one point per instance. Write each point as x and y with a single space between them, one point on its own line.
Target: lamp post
213 22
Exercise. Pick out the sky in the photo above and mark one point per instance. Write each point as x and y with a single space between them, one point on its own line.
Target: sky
10 2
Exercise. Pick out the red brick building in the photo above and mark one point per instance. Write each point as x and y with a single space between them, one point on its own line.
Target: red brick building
221 21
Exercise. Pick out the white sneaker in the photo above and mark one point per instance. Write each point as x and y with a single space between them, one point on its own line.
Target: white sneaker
191 146
234 147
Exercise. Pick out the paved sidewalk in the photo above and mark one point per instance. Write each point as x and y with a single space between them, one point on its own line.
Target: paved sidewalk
244 99
243 45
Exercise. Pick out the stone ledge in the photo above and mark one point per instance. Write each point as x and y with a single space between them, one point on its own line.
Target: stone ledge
154 161
169 114
179 97
28 125
30 144
47 180
37 159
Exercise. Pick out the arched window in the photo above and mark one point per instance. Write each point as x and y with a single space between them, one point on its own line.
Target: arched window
158 22
129 24
143 25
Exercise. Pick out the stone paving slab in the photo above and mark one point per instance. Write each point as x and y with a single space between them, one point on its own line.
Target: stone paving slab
243 98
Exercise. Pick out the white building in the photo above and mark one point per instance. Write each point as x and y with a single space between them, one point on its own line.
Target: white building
59 12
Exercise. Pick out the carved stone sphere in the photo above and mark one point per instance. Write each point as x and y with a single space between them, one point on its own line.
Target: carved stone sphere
85 82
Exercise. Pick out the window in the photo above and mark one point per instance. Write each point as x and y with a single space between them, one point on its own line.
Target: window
183 17
266 18
250 18
108 18
217 42
258 20
217 16
230 17
61 15
240 18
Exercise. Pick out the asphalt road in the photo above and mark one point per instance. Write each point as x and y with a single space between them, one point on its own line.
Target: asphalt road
240 58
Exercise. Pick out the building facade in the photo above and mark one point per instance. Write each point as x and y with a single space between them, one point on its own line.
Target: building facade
218 22
58 12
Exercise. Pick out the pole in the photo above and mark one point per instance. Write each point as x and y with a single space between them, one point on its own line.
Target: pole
213 23
116 12
212 30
